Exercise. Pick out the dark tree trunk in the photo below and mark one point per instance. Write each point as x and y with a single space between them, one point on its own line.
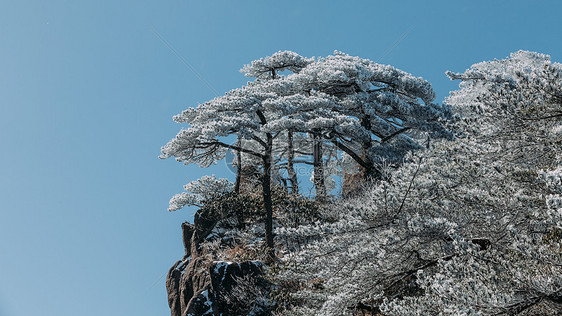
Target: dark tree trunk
268 204
366 145
318 164
238 168
370 172
266 187
290 165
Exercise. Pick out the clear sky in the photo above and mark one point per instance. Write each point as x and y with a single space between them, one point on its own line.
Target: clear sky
87 92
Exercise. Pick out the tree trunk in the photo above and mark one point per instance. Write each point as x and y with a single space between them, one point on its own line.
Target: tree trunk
266 186
238 168
290 165
268 204
366 145
370 172
318 164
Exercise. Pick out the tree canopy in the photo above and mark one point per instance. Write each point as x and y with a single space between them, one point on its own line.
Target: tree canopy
363 110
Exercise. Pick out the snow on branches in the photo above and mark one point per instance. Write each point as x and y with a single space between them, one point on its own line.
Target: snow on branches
199 191
269 66
515 103
469 227
343 106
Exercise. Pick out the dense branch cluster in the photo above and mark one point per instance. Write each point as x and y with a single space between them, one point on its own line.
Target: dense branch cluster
470 227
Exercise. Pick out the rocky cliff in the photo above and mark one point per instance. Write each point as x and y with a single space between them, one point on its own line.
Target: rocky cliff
201 284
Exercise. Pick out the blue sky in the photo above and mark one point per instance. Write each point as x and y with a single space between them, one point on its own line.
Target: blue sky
87 92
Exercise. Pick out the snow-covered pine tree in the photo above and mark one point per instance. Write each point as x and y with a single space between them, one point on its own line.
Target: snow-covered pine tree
239 112
361 107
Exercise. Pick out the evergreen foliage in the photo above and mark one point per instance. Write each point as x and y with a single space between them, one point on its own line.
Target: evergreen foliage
446 224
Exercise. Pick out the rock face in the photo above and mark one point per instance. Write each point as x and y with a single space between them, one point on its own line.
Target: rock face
172 287
224 276
200 285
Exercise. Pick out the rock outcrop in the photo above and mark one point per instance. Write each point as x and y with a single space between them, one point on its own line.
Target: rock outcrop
201 285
